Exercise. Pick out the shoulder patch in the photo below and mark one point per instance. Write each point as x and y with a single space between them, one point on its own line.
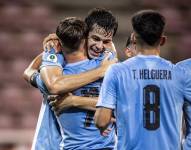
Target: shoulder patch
52 58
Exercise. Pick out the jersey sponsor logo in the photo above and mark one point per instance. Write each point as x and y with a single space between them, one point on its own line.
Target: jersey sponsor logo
52 58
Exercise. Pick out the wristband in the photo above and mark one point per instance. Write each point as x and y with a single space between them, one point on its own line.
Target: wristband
33 79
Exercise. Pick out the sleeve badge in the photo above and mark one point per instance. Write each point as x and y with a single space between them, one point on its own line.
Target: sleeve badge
52 58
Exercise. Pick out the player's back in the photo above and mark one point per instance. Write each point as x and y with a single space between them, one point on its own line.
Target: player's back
78 126
149 103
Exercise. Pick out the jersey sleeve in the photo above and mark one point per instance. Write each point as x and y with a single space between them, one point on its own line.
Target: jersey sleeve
52 59
187 86
185 69
40 85
186 66
107 97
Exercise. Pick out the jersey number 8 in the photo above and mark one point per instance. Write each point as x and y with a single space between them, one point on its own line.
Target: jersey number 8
151 110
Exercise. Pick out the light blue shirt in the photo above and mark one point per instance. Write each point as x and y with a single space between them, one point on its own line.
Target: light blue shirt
147 94
47 134
76 125
186 64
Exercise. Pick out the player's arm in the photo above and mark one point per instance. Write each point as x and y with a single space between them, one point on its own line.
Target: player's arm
111 46
187 107
32 69
107 100
50 41
102 118
61 103
57 83
88 103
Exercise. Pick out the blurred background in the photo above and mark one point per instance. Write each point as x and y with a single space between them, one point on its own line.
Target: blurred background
24 24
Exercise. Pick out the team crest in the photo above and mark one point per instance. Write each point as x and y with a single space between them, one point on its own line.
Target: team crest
52 58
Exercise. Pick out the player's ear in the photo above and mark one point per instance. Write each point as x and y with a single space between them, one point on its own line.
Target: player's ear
128 52
133 38
82 44
163 40
86 44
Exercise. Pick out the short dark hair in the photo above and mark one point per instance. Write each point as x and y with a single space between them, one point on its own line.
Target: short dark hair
71 31
102 17
128 41
149 25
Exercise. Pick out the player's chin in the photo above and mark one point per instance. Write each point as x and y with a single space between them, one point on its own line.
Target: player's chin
93 54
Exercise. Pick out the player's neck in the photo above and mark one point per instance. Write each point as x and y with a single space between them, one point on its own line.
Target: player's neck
149 51
75 57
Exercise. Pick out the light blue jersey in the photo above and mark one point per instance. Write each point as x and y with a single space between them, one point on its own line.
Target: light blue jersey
147 94
186 64
47 135
78 126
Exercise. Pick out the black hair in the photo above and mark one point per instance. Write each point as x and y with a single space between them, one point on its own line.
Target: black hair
149 25
102 17
128 41
71 31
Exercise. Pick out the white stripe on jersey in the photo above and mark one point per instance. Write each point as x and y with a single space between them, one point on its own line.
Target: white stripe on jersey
40 118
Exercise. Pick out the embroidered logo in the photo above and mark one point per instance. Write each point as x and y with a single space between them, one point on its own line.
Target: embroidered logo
52 58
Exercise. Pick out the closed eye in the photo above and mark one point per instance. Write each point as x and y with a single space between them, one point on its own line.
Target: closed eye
95 38
106 41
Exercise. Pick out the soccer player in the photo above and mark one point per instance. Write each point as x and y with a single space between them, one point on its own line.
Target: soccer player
82 134
95 19
146 91
186 64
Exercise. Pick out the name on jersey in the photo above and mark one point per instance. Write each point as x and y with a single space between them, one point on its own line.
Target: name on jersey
147 74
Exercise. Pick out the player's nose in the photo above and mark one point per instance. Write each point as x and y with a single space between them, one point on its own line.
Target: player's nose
99 45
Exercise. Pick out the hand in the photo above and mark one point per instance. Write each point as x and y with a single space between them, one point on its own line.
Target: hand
106 63
53 97
52 41
108 130
111 46
59 104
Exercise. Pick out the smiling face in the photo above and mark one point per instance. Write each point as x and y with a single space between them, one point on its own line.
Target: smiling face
98 40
